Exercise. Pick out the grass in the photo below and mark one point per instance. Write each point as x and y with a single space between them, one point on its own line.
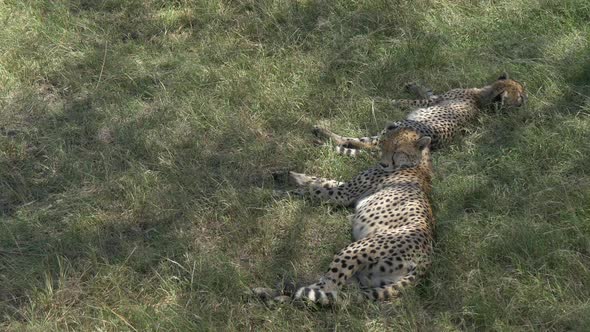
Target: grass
138 138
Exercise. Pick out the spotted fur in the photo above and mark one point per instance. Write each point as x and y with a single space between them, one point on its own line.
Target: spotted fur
392 223
438 116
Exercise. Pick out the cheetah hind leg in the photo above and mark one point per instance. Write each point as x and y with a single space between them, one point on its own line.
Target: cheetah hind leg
315 294
343 267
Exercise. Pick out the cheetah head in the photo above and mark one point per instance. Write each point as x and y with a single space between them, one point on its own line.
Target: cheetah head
505 92
402 147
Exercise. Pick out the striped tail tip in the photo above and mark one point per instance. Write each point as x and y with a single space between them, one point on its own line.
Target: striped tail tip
347 151
315 295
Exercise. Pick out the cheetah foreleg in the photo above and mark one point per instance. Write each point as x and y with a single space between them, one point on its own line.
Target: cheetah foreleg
336 192
305 180
350 146
420 91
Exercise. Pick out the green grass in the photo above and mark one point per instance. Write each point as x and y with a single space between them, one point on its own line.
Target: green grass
138 138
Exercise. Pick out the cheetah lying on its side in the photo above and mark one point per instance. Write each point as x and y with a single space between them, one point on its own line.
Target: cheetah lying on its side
438 116
392 225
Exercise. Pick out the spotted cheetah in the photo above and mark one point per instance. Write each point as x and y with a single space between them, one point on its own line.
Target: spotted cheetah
392 223
438 116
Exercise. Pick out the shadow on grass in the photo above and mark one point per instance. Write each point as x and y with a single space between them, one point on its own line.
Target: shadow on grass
84 187
119 172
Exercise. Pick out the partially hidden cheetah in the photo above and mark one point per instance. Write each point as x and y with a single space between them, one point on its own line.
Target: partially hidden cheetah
392 224
438 116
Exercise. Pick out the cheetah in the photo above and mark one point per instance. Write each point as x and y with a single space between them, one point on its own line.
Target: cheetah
438 116
392 224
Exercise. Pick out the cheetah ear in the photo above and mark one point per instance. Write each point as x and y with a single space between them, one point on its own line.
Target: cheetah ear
423 142
504 76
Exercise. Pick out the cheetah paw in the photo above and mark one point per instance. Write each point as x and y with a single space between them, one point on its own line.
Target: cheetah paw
320 132
411 86
300 179
270 296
